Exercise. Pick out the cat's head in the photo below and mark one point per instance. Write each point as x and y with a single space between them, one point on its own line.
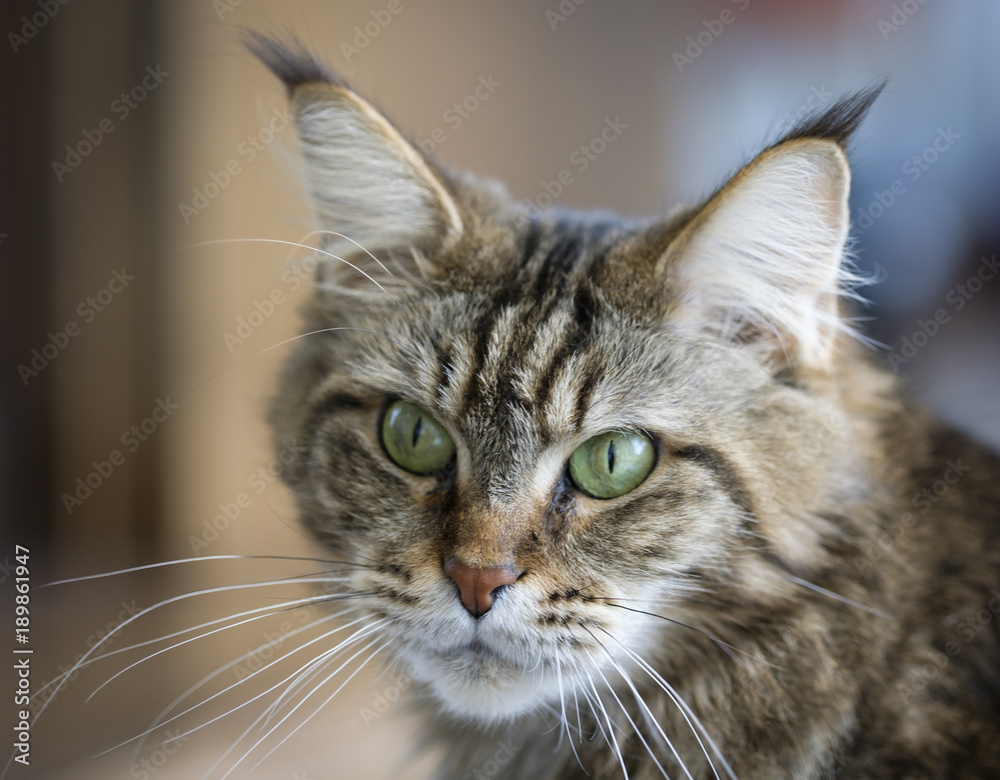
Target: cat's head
535 430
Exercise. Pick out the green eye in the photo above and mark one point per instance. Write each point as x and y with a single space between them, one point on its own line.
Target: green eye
612 464
415 440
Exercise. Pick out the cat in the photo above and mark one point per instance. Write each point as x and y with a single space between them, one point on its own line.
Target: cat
632 498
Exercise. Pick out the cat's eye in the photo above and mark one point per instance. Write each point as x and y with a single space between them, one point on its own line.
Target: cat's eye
414 440
612 464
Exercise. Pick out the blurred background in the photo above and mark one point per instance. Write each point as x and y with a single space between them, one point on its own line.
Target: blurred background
142 331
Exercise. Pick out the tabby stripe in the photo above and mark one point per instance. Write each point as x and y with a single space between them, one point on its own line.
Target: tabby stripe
725 474
335 401
444 366
573 339
584 307
580 260
483 330
556 266
531 240
587 387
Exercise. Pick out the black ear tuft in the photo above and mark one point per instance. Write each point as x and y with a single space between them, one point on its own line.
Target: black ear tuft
839 121
289 59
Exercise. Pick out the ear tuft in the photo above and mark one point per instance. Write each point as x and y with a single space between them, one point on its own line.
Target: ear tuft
761 264
374 194
289 59
839 122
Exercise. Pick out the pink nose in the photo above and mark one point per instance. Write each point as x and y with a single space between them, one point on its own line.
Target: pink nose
478 585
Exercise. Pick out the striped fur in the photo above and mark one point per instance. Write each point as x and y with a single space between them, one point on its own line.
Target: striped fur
726 618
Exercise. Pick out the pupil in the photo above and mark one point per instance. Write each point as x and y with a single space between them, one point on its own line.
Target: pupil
611 457
416 431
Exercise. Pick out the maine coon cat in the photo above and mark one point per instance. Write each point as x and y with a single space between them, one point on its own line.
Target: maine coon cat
629 498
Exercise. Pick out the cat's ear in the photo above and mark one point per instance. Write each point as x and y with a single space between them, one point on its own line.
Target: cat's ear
371 189
762 263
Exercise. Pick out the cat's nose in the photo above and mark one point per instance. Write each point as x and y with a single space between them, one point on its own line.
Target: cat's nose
477 585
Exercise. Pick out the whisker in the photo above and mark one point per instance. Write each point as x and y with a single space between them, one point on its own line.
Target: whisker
158 723
610 733
205 591
645 708
313 333
832 595
270 610
267 612
685 710
315 250
725 646
564 718
429 328
324 657
178 561
295 244
328 700
230 367
309 671
290 713
597 719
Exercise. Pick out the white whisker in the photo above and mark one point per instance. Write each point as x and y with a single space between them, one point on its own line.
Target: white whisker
86 656
295 244
610 733
158 723
635 728
649 713
267 612
178 561
327 655
689 715
290 713
327 701
159 720
832 595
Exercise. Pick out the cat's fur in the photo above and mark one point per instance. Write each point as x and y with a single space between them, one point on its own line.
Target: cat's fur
802 564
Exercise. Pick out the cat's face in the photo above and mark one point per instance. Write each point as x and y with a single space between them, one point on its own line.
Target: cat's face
709 341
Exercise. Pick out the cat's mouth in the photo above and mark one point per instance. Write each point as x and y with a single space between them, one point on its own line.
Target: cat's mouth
475 652
478 681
